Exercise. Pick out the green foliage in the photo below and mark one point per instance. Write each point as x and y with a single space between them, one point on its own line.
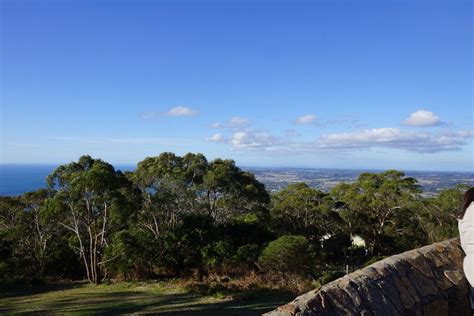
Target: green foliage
133 253
438 216
329 277
247 255
185 246
215 253
288 254
8 264
93 200
299 209
370 206
373 259
184 215
230 192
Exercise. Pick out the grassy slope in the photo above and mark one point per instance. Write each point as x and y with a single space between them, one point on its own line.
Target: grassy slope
128 298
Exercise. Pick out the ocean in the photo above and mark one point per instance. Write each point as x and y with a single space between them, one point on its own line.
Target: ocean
16 179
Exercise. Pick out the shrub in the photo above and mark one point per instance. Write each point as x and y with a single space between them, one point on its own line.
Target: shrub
329 277
247 255
288 254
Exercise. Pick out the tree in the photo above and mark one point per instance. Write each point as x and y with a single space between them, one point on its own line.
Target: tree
135 251
228 192
438 215
185 246
288 254
370 206
10 211
41 224
299 209
94 199
17 240
168 185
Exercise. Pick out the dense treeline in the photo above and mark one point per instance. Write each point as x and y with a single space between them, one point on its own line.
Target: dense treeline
186 216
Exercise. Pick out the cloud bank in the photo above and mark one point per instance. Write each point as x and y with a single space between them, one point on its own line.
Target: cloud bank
385 137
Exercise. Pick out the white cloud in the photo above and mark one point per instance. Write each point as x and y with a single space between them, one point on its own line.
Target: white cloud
175 111
306 119
394 138
422 118
252 139
216 125
182 111
370 139
216 138
422 142
234 122
238 121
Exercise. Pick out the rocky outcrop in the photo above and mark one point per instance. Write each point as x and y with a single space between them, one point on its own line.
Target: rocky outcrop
424 281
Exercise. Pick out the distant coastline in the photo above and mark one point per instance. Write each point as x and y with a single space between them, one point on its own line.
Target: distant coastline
16 179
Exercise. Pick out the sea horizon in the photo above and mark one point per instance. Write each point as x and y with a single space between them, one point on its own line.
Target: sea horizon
19 178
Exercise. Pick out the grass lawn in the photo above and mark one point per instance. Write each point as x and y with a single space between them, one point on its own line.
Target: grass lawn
164 298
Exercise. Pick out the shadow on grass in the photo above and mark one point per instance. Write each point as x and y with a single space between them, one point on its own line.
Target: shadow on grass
126 302
8 291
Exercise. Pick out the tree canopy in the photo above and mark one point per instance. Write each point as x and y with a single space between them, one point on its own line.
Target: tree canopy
184 215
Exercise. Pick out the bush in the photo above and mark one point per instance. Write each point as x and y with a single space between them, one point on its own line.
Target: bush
288 254
329 277
247 255
373 259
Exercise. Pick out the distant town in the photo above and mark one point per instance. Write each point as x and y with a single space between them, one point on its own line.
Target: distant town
431 182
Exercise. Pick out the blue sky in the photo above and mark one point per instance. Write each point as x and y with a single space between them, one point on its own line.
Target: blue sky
339 84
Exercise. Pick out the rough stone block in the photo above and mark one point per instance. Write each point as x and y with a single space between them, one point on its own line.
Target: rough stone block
425 281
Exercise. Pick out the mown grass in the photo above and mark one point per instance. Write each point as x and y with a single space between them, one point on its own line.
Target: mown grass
163 298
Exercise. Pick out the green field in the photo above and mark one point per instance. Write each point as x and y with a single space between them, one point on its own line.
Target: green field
164 298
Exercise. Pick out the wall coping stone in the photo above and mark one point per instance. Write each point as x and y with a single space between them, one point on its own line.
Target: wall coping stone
424 281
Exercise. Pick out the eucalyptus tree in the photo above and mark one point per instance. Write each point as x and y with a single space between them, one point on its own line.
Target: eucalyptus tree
438 215
299 209
168 184
228 192
12 252
41 226
10 211
372 204
25 222
174 186
93 201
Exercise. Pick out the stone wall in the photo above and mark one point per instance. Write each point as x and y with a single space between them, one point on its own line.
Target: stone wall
424 281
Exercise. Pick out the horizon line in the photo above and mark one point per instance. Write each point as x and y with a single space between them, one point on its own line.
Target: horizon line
116 165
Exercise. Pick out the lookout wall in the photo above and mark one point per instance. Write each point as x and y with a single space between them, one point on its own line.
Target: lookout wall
424 281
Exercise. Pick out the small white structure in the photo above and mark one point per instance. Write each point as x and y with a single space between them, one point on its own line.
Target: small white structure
357 241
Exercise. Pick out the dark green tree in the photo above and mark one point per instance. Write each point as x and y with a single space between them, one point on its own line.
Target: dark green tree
371 204
437 217
299 209
228 192
93 201
168 184
288 254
